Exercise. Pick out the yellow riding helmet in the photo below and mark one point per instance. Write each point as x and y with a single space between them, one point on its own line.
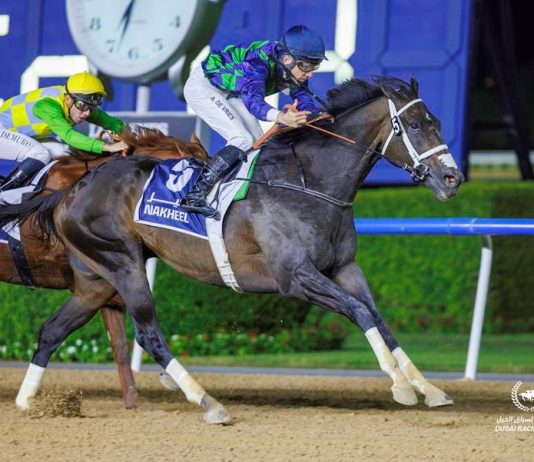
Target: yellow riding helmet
86 87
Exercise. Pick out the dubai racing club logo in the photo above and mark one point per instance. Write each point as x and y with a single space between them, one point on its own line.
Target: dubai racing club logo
523 400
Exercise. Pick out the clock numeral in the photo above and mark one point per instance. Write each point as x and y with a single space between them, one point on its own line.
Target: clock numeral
176 22
111 45
133 53
95 23
158 44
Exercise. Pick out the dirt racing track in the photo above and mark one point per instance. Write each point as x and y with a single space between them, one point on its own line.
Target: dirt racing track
79 416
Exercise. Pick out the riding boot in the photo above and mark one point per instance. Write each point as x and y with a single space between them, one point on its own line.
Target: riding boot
217 166
25 170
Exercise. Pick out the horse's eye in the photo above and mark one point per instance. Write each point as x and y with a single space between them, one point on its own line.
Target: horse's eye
414 126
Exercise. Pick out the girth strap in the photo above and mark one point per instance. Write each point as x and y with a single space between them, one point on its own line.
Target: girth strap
21 263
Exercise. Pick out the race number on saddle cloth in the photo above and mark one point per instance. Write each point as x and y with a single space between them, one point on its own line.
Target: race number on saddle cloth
160 205
171 180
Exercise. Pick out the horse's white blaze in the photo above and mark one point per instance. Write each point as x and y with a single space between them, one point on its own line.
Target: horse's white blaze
433 395
30 385
193 391
448 160
402 390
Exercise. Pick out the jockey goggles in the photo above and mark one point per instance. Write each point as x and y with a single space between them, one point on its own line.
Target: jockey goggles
83 106
307 66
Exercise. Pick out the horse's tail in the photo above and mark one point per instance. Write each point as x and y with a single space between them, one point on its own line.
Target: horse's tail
44 214
43 206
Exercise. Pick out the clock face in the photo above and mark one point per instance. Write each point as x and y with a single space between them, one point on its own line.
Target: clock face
132 39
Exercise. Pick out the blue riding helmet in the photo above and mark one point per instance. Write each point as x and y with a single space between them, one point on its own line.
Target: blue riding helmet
304 43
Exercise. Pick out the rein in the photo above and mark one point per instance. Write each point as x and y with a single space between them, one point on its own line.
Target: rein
418 171
303 189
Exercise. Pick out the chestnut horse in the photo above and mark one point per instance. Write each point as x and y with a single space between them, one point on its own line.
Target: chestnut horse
293 234
48 261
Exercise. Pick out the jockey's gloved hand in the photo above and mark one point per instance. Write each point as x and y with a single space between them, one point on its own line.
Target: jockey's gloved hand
293 119
115 147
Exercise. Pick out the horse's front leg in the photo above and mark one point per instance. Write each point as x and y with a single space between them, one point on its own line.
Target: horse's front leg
352 279
305 281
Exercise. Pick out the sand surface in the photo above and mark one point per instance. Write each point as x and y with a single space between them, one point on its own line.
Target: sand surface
79 416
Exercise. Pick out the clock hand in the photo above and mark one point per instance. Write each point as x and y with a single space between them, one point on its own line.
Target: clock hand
125 20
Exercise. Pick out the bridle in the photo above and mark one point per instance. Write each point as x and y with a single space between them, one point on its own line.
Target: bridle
418 170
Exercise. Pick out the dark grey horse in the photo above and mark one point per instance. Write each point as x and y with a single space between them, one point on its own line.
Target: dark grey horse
293 234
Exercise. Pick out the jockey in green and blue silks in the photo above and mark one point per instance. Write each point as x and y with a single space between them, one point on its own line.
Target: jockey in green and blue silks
32 123
228 92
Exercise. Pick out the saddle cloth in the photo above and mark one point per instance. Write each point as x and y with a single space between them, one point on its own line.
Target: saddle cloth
10 232
15 196
169 182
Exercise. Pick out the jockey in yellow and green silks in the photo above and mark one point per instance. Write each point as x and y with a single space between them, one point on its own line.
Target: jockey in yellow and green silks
32 123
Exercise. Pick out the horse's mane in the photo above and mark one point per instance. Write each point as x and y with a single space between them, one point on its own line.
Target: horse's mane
350 94
150 142
357 92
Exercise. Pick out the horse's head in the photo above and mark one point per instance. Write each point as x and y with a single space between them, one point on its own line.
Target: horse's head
412 139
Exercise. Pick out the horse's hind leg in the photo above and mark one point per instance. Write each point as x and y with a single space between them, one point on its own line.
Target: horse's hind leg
352 279
124 268
114 322
75 313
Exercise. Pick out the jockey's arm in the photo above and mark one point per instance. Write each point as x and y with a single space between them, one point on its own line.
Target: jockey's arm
104 120
50 112
253 91
305 100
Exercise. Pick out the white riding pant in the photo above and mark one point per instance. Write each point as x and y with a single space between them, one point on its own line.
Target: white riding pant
227 116
16 146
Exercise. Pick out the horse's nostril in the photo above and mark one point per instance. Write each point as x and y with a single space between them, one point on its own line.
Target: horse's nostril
451 181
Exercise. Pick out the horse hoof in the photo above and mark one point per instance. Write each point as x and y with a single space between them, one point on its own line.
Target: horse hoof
167 381
131 398
438 398
404 395
216 413
23 404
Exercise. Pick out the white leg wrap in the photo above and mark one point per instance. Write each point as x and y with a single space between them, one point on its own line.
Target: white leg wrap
193 391
385 358
410 371
402 390
29 386
433 395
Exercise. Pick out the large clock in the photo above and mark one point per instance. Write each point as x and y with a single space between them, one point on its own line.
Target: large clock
140 39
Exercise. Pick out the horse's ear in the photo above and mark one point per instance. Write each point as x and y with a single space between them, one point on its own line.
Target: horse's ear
415 85
194 139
